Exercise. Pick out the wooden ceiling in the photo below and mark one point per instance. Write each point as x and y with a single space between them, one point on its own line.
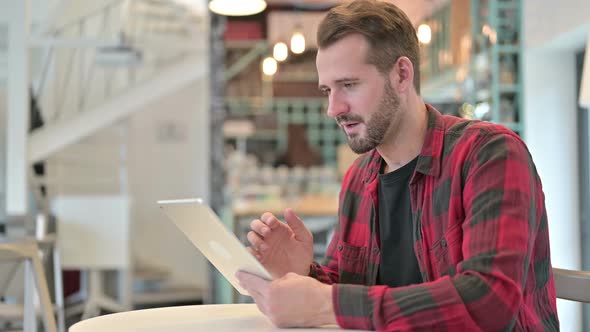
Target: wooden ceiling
415 9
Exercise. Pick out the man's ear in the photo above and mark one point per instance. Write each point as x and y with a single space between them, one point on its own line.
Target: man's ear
402 74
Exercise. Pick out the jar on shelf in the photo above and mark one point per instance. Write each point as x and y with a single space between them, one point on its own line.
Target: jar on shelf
507 70
507 110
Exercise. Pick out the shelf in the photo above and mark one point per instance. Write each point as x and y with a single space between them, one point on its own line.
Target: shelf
507 48
500 64
258 134
444 85
508 88
504 5
322 132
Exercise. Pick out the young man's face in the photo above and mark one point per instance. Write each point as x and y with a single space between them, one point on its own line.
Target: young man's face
360 98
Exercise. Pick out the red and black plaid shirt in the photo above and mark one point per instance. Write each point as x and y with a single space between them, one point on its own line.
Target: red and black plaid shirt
480 237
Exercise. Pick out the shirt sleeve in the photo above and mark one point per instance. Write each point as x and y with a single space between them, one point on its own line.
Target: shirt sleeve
502 200
328 271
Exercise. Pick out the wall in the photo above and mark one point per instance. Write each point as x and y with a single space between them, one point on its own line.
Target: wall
550 124
547 22
2 150
551 135
158 167
166 156
169 158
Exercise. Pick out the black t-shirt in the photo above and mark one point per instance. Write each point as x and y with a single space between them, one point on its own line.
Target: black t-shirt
399 266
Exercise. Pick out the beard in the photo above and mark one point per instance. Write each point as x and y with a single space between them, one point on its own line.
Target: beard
378 125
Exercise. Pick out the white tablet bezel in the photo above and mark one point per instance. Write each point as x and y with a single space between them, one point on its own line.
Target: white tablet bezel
208 233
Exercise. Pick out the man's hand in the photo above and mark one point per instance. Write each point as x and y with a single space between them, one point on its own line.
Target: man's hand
280 247
291 301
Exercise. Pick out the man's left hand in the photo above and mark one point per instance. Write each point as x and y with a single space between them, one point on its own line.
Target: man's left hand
291 301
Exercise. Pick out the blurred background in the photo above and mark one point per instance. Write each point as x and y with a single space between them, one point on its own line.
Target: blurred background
107 106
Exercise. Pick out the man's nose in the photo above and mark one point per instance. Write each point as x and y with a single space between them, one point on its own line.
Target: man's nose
336 106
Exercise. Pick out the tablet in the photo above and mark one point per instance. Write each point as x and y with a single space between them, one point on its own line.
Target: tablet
208 233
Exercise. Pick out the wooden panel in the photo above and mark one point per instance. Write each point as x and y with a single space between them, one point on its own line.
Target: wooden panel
296 89
243 30
460 31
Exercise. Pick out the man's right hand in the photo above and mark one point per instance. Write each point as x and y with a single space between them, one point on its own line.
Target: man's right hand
281 247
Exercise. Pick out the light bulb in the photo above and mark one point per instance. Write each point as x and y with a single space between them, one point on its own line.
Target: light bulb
297 43
237 7
269 66
280 51
424 33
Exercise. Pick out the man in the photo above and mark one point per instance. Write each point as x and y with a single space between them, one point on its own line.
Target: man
442 222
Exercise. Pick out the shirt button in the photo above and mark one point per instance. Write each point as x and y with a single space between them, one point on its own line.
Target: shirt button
443 242
375 251
339 247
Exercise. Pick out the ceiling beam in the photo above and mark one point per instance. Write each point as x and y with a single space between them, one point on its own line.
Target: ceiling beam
55 136
258 50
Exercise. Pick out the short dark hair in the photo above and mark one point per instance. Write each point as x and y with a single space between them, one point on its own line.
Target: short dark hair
387 28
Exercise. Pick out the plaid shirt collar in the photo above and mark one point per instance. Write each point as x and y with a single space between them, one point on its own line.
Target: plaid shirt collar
430 158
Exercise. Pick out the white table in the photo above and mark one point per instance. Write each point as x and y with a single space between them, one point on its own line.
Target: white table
218 318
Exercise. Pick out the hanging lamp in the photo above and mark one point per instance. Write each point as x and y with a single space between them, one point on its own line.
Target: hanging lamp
237 7
298 42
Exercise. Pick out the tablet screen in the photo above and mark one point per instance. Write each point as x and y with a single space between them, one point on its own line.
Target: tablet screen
208 233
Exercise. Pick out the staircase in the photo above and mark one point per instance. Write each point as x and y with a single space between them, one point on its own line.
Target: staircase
108 60
94 64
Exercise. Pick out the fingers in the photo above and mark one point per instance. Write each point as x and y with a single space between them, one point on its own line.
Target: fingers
270 220
251 286
256 241
260 227
297 225
253 283
257 296
260 304
255 253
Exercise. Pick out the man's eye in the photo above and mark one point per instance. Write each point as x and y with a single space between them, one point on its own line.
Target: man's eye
349 85
326 92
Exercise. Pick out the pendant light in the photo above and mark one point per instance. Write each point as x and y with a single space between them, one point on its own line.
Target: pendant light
237 7
424 33
298 42
269 66
280 51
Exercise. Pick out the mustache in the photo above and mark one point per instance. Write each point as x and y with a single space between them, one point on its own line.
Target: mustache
348 118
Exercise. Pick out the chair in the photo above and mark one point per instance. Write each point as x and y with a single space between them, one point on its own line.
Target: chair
28 251
94 237
572 285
